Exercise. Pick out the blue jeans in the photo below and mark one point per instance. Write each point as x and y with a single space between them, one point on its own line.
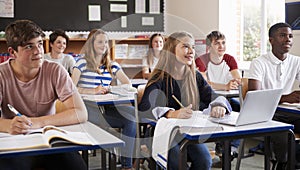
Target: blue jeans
117 117
198 154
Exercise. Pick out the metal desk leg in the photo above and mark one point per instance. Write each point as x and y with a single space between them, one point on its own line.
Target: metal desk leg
112 161
183 155
103 159
267 143
85 156
226 156
291 150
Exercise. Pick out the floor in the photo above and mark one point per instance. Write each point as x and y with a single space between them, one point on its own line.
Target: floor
252 163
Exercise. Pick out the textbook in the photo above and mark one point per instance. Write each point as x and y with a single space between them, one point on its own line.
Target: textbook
49 136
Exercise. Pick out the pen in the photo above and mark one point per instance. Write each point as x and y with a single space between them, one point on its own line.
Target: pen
11 108
177 101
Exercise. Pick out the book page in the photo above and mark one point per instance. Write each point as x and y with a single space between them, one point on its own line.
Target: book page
79 138
16 142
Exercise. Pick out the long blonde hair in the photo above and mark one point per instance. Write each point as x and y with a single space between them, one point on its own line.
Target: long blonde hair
165 70
89 52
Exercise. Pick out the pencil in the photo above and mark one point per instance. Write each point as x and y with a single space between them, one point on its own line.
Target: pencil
177 101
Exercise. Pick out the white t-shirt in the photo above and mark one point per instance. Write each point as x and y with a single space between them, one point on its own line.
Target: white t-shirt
145 63
274 73
67 61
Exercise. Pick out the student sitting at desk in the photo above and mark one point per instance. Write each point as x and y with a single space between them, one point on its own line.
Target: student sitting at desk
217 67
32 85
221 72
93 74
175 74
156 43
278 69
58 40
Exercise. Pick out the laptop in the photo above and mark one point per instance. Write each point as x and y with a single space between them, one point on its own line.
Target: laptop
258 106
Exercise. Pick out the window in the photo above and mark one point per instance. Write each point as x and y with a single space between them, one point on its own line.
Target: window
247 33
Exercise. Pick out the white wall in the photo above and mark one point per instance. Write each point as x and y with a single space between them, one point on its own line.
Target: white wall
198 17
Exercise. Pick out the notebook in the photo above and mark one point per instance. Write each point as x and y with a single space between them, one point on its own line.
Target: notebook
258 106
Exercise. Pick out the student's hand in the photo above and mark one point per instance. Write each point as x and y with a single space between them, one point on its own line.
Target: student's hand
101 90
233 84
183 113
20 125
293 97
218 111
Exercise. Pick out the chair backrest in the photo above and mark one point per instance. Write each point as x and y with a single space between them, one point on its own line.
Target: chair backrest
244 87
140 92
59 106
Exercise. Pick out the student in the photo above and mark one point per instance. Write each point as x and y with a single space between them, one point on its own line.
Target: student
221 72
217 67
58 43
156 43
93 74
175 74
32 85
278 69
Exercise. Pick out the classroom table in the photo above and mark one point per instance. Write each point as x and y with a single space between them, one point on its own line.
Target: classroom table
289 109
229 133
228 94
104 140
136 82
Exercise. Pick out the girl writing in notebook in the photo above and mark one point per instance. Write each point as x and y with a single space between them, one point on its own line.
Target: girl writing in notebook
175 74
93 74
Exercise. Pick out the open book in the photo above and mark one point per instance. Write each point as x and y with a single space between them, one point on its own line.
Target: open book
49 136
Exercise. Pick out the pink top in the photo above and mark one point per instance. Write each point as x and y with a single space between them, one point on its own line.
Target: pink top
36 97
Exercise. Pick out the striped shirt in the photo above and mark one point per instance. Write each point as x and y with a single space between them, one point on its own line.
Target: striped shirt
91 79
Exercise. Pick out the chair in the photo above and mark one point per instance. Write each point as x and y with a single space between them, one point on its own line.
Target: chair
141 129
243 89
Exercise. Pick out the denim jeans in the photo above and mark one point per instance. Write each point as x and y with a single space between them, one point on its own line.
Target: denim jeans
118 116
198 154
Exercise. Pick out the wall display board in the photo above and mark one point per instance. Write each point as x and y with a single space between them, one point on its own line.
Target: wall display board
292 14
84 15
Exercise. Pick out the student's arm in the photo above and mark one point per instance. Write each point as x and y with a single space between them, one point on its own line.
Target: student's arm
145 72
74 112
98 90
120 75
293 97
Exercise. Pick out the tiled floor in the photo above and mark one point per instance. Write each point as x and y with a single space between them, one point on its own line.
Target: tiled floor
251 163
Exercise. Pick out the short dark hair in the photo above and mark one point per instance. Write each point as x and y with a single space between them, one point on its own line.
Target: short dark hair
276 26
214 35
19 32
58 32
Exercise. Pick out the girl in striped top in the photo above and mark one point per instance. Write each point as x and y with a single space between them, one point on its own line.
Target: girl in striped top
93 74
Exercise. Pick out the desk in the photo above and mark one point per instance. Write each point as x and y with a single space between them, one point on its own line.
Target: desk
230 133
136 82
282 108
104 140
109 99
228 94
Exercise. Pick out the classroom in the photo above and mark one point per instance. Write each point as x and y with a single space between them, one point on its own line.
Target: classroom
150 84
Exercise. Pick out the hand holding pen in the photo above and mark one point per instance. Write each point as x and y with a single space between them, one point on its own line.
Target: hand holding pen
183 113
20 124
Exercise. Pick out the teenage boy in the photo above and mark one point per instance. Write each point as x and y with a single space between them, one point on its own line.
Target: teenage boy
278 69
32 85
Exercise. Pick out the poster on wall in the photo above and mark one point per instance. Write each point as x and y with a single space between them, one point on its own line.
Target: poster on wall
7 8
